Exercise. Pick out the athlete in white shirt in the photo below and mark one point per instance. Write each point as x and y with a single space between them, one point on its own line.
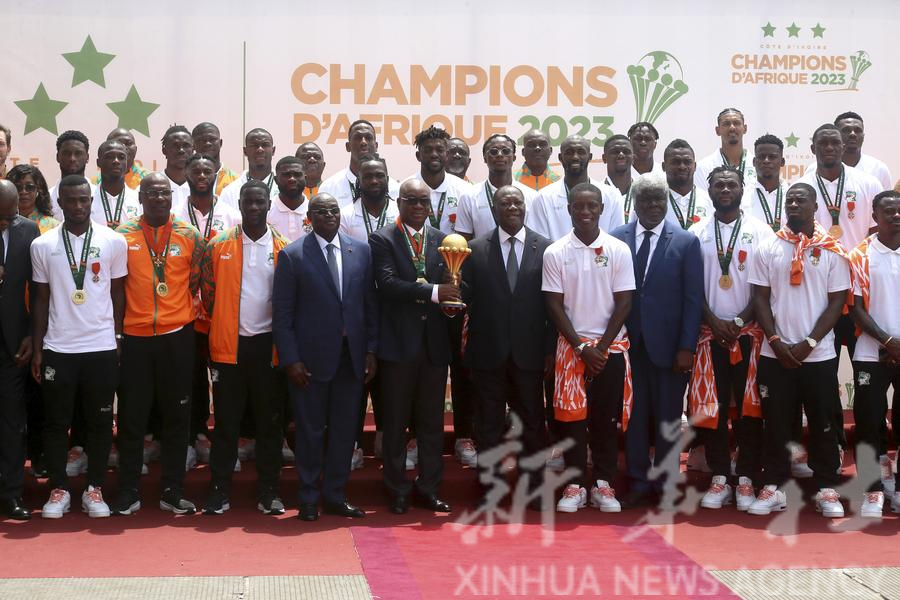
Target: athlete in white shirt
731 128
618 154
644 137
72 149
361 140
446 190
764 195
259 148
113 202
289 211
177 147
876 361
853 134
374 209
688 203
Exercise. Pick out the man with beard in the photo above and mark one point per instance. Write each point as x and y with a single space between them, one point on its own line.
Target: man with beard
731 128
113 202
764 196
313 166
644 136
259 148
447 190
343 185
177 147
688 203
550 211
458 158
536 150
208 142
618 154
853 134
72 149
288 214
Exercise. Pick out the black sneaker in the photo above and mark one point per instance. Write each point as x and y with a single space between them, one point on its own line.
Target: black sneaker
173 501
217 503
126 502
270 504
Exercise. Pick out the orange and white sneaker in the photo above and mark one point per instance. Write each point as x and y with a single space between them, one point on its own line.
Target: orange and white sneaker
59 503
465 452
92 503
800 463
604 498
76 461
743 494
770 498
573 498
887 474
828 502
873 505
718 494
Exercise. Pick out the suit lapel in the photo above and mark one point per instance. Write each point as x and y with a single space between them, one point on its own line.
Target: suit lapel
433 258
630 234
660 251
405 267
313 250
529 256
347 259
495 259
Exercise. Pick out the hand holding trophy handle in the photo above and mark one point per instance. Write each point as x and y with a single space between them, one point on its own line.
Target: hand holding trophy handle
455 250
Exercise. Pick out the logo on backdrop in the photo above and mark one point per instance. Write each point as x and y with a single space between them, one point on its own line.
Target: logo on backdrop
88 64
657 81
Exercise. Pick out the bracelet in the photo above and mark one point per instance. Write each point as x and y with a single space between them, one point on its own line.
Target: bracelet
887 341
120 336
774 338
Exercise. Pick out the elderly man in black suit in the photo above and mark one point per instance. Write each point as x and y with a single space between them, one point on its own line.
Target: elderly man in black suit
16 235
510 343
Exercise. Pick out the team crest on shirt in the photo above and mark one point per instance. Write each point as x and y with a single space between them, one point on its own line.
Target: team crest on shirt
49 373
452 201
174 250
747 237
700 211
218 224
270 259
815 256
864 378
94 252
131 212
850 196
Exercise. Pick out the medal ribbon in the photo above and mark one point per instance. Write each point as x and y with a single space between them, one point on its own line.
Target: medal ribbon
436 220
726 254
196 222
159 253
834 207
728 164
627 208
112 218
775 223
416 249
381 218
79 268
490 199
691 206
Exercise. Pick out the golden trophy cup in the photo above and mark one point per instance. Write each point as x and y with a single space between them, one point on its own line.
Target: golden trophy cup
455 250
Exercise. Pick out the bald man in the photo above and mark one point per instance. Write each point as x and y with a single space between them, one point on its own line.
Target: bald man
313 166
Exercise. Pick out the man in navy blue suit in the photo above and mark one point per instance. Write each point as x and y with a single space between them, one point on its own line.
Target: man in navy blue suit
325 324
664 325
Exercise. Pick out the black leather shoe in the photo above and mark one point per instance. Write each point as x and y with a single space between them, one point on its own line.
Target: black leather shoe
308 512
343 509
399 505
433 503
15 509
637 499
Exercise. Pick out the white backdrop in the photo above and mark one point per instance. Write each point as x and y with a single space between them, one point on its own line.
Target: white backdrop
303 70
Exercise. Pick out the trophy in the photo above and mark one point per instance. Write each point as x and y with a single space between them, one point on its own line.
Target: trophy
455 250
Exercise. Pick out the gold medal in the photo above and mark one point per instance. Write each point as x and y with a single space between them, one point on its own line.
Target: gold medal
79 297
162 289
725 282
835 231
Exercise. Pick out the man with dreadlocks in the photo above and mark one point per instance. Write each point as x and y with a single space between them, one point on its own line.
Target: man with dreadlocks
344 185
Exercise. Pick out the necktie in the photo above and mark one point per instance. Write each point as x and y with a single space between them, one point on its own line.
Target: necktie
332 266
2 258
640 261
512 265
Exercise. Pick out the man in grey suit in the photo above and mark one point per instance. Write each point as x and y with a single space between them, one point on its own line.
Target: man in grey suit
664 325
16 235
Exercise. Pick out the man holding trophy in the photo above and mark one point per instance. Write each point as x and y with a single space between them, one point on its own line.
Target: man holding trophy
415 297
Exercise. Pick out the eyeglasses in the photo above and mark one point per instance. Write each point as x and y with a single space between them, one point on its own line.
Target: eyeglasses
28 187
419 201
158 194
326 211
499 151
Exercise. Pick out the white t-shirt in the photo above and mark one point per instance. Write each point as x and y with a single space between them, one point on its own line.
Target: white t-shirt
87 327
706 165
859 188
180 193
549 212
587 277
796 308
656 170
341 186
54 201
257 275
451 191
292 224
871 166
475 215
223 218
751 204
131 206
353 223
232 192
702 207
884 282
727 304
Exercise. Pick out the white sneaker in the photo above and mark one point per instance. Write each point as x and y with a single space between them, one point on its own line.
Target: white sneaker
828 502
76 461
237 465
697 460
412 455
287 455
152 449
873 505
604 498
190 459
770 498
92 503
113 461
800 463
246 449
684 422
573 498
379 442
59 504
887 474
743 494
718 494
356 461
895 502
465 452
556 462
203 448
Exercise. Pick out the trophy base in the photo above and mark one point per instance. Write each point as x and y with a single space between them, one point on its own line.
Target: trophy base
453 307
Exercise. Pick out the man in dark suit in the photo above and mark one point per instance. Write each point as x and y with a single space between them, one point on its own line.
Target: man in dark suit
510 343
664 325
325 313
16 235
413 345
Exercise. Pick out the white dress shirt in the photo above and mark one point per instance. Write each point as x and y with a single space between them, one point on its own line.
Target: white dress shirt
654 239
505 244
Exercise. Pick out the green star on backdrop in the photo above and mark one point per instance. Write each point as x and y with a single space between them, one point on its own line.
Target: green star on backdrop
792 140
768 30
133 112
793 30
88 63
40 111
818 31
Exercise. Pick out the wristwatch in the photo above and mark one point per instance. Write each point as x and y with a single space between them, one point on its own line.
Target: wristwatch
739 321
580 348
812 343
